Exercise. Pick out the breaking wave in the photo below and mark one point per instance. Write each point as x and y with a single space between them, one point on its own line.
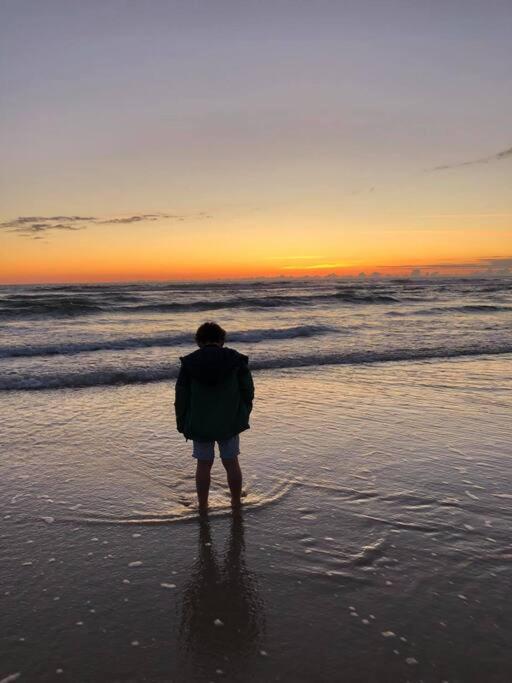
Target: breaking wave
466 308
57 306
54 306
165 340
106 377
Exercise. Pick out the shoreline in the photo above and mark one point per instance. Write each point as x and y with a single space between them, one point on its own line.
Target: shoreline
401 511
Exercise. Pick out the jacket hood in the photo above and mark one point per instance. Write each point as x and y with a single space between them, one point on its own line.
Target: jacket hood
211 364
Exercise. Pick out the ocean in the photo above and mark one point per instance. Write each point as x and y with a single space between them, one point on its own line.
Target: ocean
62 336
374 542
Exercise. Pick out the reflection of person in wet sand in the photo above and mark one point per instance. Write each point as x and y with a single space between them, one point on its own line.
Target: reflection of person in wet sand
222 615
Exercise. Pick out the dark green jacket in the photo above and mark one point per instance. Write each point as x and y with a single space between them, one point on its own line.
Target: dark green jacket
214 394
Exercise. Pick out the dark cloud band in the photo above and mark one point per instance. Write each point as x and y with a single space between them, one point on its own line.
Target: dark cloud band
35 226
505 154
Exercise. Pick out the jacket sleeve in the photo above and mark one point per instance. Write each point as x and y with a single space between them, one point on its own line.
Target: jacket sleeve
246 386
182 398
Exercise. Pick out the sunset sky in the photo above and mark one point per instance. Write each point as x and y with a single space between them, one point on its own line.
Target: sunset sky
184 139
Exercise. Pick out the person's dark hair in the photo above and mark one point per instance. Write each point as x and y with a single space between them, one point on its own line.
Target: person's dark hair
210 333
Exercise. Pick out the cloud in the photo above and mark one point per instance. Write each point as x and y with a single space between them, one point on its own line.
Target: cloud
505 154
70 218
135 219
34 226
319 266
490 266
493 265
24 220
152 217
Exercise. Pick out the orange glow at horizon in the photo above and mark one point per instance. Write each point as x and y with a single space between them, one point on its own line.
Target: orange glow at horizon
39 275
237 248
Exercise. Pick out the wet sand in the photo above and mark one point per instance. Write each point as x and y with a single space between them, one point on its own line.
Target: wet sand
374 544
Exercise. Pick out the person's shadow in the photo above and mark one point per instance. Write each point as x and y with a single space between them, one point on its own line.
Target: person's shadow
222 619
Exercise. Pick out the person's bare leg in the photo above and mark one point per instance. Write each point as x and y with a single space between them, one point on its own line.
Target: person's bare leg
203 483
234 474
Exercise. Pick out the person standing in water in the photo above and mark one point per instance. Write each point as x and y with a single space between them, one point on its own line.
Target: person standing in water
214 397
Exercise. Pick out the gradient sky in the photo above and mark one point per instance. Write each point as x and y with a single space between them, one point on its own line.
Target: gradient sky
165 139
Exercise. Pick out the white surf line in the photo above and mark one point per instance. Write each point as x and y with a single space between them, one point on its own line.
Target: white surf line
10 678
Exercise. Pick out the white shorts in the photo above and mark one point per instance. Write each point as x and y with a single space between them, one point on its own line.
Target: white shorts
228 449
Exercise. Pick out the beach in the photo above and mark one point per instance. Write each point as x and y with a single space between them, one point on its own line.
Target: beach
286 226
373 545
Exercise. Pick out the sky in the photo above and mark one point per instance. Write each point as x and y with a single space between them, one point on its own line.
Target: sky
167 139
